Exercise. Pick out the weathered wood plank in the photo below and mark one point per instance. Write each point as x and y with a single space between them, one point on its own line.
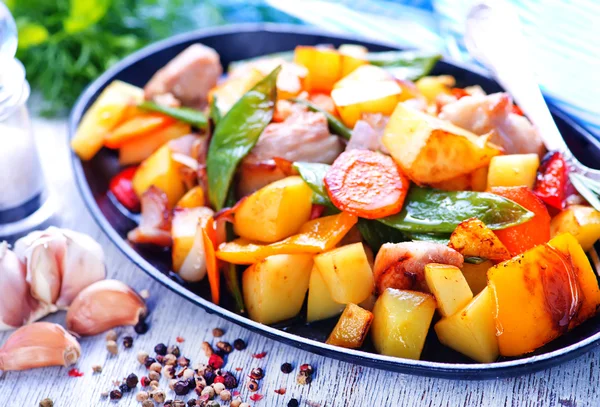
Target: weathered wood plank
336 383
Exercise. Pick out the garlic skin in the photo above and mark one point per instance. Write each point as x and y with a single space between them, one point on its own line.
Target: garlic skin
60 263
38 345
16 303
104 305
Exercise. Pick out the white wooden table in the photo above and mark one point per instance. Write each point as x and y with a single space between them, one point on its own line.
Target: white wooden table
335 384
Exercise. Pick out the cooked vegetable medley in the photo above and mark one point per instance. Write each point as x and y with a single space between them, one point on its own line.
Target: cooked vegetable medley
385 194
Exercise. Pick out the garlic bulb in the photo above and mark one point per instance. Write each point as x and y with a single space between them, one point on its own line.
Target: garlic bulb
15 302
38 345
104 305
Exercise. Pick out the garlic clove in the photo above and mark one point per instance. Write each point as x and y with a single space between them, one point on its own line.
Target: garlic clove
15 302
104 305
82 265
38 345
193 267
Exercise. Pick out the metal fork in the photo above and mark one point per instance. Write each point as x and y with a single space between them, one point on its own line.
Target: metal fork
493 37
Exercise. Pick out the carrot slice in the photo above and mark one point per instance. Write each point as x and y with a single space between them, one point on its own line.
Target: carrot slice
209 238
135 127
366 184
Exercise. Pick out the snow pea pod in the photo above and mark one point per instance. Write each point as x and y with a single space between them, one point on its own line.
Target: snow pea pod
236 134
184 114
410 65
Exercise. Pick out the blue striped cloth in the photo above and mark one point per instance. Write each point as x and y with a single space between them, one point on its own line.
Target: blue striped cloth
563 35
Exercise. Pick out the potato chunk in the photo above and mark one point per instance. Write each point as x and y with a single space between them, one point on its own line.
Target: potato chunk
472 238
401 319
347 273
320 304
274 288
541 294
583 222
513 170
324 67
354 100
275 211
352 327
109 110
161 171
472 330
449 287
431 150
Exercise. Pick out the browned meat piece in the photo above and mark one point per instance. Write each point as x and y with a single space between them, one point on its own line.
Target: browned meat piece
188 77
493 113
402 265
303 136
155 225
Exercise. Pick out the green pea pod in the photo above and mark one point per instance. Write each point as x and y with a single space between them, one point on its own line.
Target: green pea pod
434 211
215 113
185 114
237 133
431 214
335 126
376 233
410 65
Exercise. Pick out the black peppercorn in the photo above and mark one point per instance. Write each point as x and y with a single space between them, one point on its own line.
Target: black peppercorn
124 388
148 362
230 381
307 369
115 395
168 403
293 403
182 387
132 381
174 350
287 368
160 349
239 344
209 376
191 402
252 385
127 341
160 359
224 346
141 327
257 373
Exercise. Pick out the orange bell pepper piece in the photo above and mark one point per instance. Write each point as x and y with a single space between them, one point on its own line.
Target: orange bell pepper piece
209 238
135 127
315 236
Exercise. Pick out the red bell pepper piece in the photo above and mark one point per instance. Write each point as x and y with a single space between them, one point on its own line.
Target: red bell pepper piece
122 188
459 92
552 183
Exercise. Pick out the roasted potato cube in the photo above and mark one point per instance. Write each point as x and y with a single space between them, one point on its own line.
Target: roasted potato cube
193 198
184 229
583 222
449 287
513 170
232 89
472 238
401 319
433 86
161 171
352 327
431 150
320 304
274 288
540 294
472 330
353 101
476 275
364 74
109 110
347 273
139 149
324 67
275 211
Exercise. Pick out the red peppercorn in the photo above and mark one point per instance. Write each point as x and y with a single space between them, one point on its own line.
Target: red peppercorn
219 379
145 381
75 372
307 369
257 373
179 339
215 361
